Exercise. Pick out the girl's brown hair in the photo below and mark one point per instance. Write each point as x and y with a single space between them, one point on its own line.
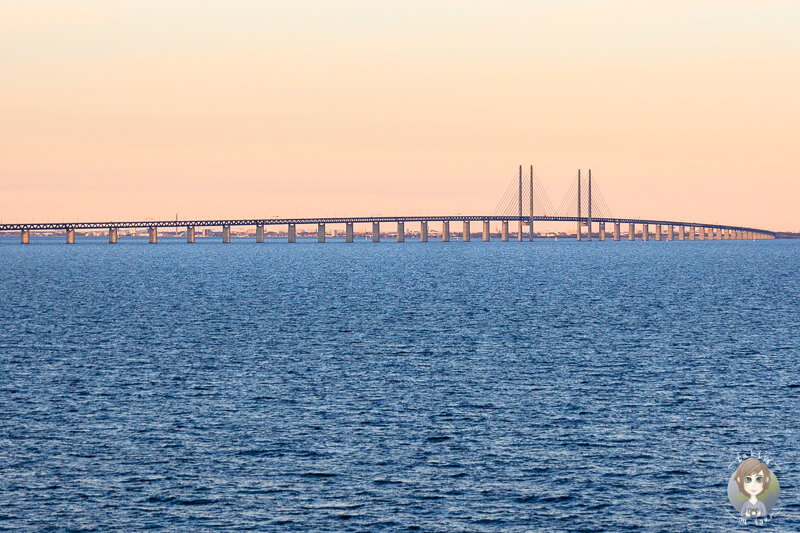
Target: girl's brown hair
751 467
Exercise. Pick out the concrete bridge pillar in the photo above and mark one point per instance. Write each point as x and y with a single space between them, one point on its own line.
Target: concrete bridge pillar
487 235
658 232
631 231
670 232
423 231
446 231
465 234
292 231
226 234
692 230
645 232
504 231
70 235
112 235
25 236
602 226
701 233
401 231
376 232
718 234
588 231
152 233
259 233
321 232
681 233
348 232
519 235
616 231
190 234
579 231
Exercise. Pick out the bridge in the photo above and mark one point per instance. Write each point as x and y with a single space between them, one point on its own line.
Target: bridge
509 210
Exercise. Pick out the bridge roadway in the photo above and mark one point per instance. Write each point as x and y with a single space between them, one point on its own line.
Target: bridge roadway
41 226
695 229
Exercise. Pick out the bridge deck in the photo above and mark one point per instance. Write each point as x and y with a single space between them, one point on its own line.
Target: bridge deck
41 226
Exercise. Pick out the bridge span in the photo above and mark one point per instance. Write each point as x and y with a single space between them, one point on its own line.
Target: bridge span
512 211
595 227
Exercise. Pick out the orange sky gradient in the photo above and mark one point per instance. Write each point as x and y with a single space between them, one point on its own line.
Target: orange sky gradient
238 108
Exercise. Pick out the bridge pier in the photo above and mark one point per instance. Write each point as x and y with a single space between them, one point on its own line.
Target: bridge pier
658 232
190 234
579 231
321 232
376 232
25 236
112 235
226 234
292 231
487 235
446 231
152 232
260 233
681 233
519 235
670 232
701 233
423 231
631 231
465 233
602 226
616 231
645 232
589 230
401 231
718 234
504 231
348 232
70 236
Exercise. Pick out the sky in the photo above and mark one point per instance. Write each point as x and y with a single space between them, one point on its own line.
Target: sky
146 109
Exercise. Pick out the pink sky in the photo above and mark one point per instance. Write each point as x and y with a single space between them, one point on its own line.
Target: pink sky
236 108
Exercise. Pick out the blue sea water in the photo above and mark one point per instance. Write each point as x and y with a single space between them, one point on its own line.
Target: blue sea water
546 386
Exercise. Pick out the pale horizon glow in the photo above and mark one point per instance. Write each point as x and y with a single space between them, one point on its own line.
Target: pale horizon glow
221 109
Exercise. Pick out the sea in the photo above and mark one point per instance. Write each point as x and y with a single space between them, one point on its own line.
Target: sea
444 387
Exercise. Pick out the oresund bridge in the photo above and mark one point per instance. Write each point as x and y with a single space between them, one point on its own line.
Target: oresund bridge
523 199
